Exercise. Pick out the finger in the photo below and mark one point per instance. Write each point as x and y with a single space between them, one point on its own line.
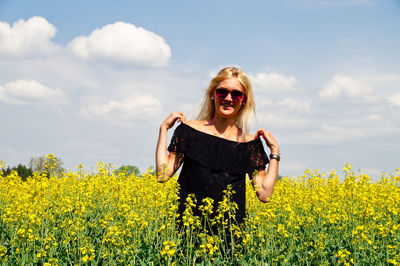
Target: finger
266 134
182 117
171 120
258 134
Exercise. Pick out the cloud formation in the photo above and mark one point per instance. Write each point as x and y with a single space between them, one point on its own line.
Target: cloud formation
348 87
29 92
27 38
395 99
125 112
122 43
298 105
273 82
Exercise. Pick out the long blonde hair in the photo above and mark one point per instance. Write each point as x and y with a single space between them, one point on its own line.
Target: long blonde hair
246 113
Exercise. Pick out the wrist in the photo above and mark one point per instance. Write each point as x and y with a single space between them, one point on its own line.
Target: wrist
163 128
275 151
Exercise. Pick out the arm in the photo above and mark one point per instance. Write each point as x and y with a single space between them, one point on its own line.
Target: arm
265 181
167 164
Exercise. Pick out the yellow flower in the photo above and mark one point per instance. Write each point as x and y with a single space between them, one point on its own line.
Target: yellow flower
168 249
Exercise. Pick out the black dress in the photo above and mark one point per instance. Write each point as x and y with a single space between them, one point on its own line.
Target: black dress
211 163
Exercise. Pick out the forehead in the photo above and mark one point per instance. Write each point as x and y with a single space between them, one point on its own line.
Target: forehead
231 84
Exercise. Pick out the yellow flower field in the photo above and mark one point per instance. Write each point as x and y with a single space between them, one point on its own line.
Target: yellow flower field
107 218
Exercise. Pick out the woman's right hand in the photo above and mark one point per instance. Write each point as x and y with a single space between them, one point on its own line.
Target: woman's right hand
167 164
172 118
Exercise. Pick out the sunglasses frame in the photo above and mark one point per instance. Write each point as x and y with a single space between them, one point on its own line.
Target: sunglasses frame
222 93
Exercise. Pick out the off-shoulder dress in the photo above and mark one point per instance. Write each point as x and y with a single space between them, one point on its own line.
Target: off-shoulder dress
211 163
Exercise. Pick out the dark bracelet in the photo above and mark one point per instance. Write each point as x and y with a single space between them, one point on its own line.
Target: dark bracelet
274 156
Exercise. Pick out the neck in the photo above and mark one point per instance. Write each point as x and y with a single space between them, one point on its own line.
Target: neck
223 124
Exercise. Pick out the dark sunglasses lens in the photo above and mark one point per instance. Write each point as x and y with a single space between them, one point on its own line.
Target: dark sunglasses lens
237 95
222 93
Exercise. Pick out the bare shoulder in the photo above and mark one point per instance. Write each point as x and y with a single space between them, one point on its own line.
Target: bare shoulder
249 137
196 124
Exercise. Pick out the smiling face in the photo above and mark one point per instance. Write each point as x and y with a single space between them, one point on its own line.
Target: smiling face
230 105
242 111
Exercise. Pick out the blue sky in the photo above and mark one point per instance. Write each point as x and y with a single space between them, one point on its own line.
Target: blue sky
92 81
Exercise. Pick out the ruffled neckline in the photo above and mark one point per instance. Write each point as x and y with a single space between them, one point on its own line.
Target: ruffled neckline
218 153
217 137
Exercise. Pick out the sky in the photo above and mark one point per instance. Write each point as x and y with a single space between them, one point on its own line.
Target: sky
92 81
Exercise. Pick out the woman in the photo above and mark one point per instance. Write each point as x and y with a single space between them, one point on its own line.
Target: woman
216 150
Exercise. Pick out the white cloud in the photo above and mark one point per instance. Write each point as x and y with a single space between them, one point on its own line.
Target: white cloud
273 82
295 104
125 112
27 38
122 43
288 106
30 91
394 99
373 118
332 135
348 87
286 121
393 78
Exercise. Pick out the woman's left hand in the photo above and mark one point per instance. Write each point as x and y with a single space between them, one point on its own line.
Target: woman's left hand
269 139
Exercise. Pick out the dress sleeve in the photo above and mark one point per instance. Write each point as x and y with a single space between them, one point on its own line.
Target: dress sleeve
258 157
179 140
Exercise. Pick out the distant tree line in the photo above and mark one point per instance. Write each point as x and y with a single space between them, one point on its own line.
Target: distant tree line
42 164
23 171
128 170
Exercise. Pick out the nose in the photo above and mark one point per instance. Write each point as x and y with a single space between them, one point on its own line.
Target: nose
228 97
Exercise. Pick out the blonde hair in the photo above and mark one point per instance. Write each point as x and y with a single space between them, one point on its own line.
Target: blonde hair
246 113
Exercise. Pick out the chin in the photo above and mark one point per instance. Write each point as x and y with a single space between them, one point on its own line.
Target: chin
224 112
227 114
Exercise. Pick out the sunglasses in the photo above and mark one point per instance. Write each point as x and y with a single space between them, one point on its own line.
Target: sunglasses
235 94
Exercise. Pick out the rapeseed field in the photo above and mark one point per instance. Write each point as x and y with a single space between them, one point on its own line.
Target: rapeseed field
106 218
